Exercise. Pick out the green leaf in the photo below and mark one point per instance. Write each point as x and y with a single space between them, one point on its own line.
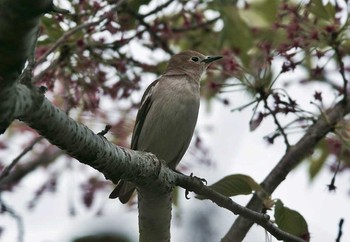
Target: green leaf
325 12
237 184
345 45
318 159
52 28
261 13
236 34
135 5
290 221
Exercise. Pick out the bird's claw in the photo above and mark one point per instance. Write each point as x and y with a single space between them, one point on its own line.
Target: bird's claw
187 192
199 178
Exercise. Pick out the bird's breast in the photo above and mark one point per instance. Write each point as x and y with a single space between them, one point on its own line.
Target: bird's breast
171 120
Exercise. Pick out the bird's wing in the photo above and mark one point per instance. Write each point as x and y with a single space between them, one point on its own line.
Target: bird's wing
124 190
146 103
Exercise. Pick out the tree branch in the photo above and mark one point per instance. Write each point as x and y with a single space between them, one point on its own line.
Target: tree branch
195 26
340 230
262 219
163 44
304 147
19 172
4 207
279 126
16 42
341 70
158 8
117 162
7 170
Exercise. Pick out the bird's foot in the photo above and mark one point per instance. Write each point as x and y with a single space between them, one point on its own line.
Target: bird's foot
202 180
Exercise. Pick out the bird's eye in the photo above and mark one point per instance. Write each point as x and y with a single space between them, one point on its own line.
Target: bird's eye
195 59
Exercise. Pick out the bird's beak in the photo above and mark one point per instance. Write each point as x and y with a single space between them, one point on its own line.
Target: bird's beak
210 59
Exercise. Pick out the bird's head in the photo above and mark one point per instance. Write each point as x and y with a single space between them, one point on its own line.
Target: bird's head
191 63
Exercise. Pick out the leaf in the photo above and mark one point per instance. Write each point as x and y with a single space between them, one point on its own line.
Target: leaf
236 34
291 221
232 185
318 159
325 12
345 45
135 5
52 28
255 123
261 13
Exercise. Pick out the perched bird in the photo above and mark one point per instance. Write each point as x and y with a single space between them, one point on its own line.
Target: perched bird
168 113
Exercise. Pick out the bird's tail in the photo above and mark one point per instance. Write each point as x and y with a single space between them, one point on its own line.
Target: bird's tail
123 190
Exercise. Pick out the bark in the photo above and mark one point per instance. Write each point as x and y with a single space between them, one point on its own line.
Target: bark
154 215
303 148
19 22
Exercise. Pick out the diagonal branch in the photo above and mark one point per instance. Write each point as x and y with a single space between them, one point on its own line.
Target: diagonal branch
262 219
161 41
47 157
158 8
7 170
74 30
304 147
5 208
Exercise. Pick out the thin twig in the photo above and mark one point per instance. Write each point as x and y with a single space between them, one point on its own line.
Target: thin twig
47 157
332 186
64 37
57 9
105 131
196 26
279 126
157 9
72 31
340 231
6 208
342 72
163 44
240 108
7 170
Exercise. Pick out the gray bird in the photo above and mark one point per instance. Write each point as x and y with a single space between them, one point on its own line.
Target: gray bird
168 113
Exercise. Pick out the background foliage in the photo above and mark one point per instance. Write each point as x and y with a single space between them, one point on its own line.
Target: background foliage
96 60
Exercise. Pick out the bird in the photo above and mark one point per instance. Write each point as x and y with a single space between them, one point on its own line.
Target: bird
168 113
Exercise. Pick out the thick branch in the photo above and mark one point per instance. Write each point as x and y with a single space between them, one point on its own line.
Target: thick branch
19 21
154 215
304 147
